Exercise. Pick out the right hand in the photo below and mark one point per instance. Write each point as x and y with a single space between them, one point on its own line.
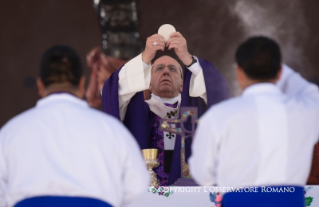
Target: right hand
150 50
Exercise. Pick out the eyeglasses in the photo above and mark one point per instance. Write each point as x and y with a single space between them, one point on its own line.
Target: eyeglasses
172 68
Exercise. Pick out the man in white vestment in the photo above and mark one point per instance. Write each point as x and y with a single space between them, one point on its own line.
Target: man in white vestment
265 136
63 148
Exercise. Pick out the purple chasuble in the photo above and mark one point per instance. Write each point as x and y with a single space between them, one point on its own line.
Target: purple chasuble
139 118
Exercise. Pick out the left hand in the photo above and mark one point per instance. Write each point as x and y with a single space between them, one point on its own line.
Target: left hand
178 42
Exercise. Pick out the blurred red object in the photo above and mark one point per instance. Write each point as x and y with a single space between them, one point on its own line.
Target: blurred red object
102 68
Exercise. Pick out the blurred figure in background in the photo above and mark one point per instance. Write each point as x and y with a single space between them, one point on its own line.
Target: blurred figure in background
62 152
120 42
102 68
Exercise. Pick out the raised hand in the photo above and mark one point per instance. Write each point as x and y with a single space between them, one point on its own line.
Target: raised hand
153 44
178 42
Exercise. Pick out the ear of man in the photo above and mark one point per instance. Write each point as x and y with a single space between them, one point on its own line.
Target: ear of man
279 74
150 87
81 87
241 77
181 87
41 87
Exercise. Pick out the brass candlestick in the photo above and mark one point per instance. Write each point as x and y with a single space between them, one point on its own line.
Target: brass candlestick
150 157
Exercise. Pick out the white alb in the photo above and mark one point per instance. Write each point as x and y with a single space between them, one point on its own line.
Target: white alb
62 147
264 137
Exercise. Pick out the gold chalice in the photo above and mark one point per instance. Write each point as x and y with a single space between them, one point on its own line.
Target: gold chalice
150 157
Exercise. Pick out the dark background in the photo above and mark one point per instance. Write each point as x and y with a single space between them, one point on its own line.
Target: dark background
213 29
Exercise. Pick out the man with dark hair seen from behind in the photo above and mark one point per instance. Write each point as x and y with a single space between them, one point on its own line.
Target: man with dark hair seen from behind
62 152
265 137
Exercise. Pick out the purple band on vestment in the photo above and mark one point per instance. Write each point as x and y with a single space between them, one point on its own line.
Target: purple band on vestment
158 143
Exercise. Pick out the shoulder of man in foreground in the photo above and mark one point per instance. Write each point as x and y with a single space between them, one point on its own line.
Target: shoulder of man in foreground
17 120
228 107
35 114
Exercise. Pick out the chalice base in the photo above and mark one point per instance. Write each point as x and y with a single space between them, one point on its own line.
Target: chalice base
151 163
154 181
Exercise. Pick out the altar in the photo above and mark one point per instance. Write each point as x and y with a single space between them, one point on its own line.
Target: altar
201 197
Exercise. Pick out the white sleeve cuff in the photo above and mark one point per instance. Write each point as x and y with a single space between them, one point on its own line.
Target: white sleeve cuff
145 65
195 68
197 86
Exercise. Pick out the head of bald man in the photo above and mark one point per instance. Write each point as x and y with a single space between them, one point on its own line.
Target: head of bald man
166 79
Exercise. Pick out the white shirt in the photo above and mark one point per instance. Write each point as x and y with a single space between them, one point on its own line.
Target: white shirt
264 137
63 147
135 76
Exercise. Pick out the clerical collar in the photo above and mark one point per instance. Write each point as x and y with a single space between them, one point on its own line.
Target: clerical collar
158 107
168 100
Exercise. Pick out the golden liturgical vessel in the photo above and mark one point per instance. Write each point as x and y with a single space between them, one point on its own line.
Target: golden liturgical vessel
150 157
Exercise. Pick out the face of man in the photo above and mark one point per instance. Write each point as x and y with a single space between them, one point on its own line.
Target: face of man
166 80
